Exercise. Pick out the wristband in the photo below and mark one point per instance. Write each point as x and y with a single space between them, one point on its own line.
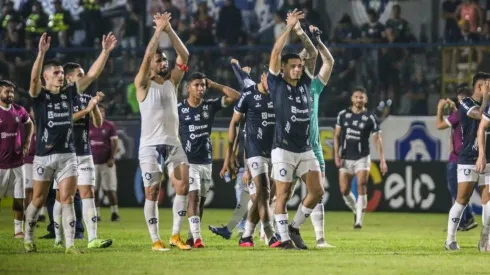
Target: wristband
182 67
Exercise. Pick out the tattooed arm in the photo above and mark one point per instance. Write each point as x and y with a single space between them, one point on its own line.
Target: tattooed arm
312 52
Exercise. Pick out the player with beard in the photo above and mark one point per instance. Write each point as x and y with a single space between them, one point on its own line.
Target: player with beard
292 155
196 116
84 108
13 147
351 151
55 153
156 92
103 141
471 162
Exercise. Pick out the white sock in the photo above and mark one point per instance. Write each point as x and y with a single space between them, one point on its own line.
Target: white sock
360 207
453 221
282 226
317 219
195 227
249 229
485 219
43 211
98 211
114 209
179 209
69 221
240 211
350 201
272 217
18 226
152 219
57 221
32 214
90 217
301 215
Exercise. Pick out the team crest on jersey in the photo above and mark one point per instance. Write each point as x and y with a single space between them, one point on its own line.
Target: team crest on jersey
17 119
301 89
147 176
283 172
298 99
205 115
361 125
103 131
40 170
255 165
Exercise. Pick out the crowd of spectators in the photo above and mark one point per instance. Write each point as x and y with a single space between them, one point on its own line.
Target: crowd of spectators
409 76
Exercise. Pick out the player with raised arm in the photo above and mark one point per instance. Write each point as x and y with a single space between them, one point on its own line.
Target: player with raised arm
471 164
13 148
85 109
292 154
316 88
351 151
156 91
103 141
55 153
196 117
453 121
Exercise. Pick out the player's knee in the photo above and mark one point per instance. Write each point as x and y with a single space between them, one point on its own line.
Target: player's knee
151 193
67 198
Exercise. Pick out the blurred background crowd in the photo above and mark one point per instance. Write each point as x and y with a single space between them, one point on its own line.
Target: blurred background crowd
412 52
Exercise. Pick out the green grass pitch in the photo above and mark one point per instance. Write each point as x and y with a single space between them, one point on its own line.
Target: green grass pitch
389 243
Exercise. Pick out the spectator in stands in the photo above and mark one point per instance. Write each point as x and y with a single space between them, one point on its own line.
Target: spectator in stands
345 31
9 14
466 35
36 23
60 25
91 17
288 6
372 31
451 29
397 28
129 30
311 15
174 11
229 15
202 27
117 106
279 27
470 10
417 95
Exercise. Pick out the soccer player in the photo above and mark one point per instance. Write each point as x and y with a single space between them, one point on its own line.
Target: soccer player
84 108
453 121
55 152
351 151
156 91
292 154
470 162
196 116
13 147
104 143
316 88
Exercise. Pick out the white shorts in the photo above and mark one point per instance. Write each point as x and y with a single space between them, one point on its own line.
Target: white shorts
259 165
353 166
286 164
200 176
86 171
105 177
12 183
27 175
151 170
55 166
467 173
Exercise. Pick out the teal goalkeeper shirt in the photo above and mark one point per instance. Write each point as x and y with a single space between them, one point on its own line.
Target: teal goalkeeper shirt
316 89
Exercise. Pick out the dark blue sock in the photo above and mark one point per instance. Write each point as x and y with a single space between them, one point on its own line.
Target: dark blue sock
78 213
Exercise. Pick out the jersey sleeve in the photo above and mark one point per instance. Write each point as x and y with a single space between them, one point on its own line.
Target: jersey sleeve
453 119
112 131
242 105
273 81
375 127
217 103
340 119
466 105
486 113
316 86
24 116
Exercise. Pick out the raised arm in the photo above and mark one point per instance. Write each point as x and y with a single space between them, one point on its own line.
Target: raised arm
275 61
310 61
90 107
231 95
35 84
109 42
476 112
180 68
440 122
327 59
142 79
97 118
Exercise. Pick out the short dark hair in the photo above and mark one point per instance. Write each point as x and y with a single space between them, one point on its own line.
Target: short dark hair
70 67
286 57
196 75
480 76
51 63
359 89
463 89
7 83
372 12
